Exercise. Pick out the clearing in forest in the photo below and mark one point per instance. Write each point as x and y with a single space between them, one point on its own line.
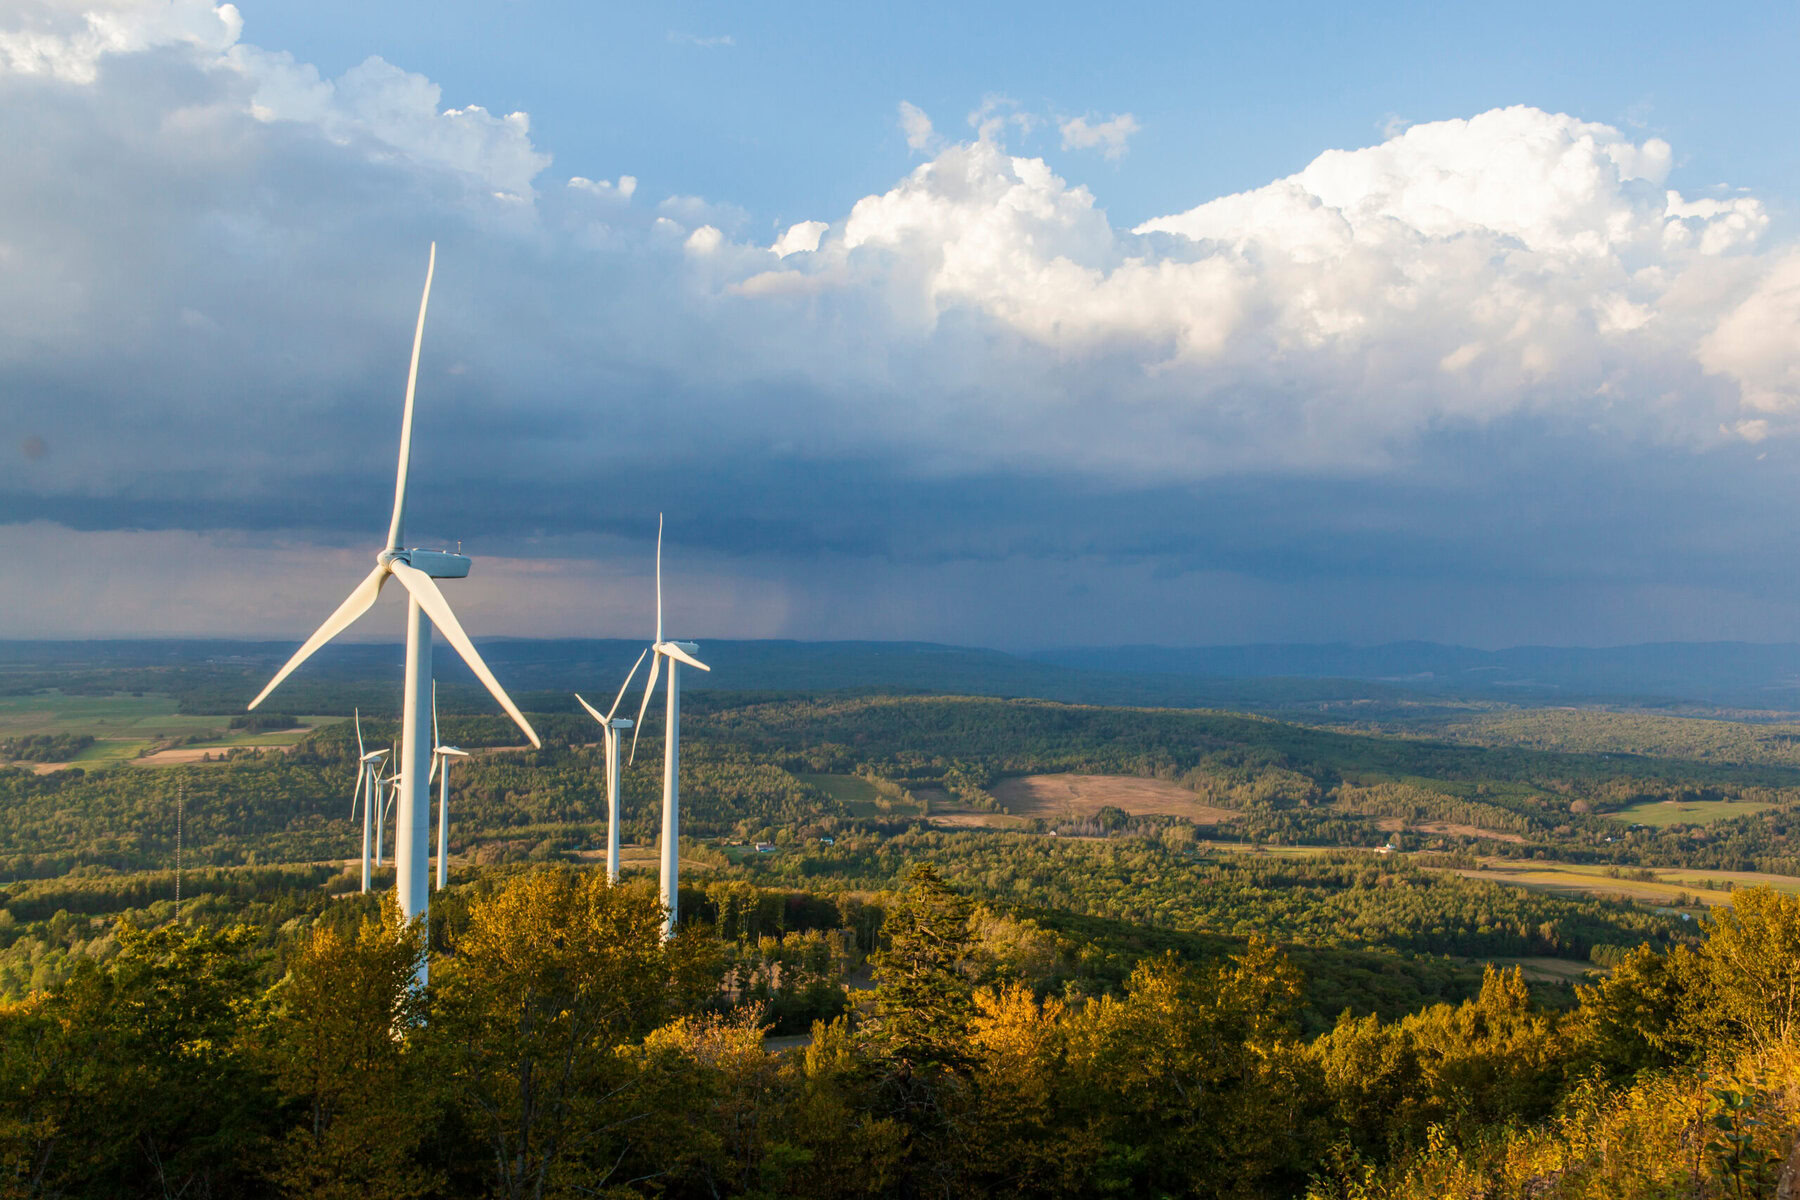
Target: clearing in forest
1074 797
1668 885
1659 813
1447 828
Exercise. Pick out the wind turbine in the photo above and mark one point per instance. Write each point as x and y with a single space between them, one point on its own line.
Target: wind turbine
387 787
368 773
677 653
610 727
441 756
417 571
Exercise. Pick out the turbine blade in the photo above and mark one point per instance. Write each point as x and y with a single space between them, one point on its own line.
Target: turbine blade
395 526
438 609
659 523
354 606
610 713
649 686
431 776
360 751
362 773
592 711
676 652
435 739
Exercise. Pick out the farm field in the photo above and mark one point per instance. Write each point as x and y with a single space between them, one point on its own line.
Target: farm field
1074 797
858 795
124 726
1398 825
1663 813
1708 888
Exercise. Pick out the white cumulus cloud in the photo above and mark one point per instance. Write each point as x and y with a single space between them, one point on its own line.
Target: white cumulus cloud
917 127
1111 136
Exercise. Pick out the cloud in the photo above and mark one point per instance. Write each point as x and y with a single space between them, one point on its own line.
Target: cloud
67 41
801 238
212 252
1110 136
917 126
623 190
706 43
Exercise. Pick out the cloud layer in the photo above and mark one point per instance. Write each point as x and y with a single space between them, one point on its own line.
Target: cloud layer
209 253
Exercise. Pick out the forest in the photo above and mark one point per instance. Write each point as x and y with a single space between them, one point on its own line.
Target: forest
563 1048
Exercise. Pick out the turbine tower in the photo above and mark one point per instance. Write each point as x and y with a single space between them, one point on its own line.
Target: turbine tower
440 758
417 571
368 776
677 653
610 728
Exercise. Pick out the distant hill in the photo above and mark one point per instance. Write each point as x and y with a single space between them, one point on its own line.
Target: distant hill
1738 674
1410 678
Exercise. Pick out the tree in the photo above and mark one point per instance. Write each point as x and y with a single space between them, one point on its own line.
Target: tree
919 1034
556 971
1751 966
134 1080
340 1042
923 994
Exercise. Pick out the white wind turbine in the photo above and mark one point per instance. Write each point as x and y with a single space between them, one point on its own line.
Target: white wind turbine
386 787
368 775
426 607
610 728
677 653
440 758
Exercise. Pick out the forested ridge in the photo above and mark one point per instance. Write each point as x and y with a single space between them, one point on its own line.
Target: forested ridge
1291 784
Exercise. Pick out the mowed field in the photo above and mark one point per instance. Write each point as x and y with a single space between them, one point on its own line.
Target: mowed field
1668 886
125 726
1075 797
1660 813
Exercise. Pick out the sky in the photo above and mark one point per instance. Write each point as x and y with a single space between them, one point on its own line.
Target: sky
992 325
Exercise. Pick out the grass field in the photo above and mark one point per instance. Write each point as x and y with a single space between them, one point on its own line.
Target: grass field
1668 886
1660 813
859 796
142 717
125 726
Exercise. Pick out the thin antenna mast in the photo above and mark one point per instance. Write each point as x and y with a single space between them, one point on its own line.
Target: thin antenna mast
180 806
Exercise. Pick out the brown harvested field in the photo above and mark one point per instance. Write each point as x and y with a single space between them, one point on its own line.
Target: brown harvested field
180 755
1078 796
966 818
1396 825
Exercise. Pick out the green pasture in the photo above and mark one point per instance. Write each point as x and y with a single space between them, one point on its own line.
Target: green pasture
1662 813
124 726
144 717
857 794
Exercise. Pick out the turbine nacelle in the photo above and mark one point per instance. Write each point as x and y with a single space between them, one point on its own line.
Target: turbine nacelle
439 564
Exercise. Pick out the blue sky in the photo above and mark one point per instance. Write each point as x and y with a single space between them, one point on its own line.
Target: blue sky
1180 324
787 109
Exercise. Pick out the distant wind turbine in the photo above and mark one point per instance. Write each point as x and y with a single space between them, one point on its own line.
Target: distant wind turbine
610 728
677 653
387 787
368 774
440 758
417 571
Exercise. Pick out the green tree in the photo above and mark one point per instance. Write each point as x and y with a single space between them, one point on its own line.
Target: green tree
340 1043
134 1079
555 972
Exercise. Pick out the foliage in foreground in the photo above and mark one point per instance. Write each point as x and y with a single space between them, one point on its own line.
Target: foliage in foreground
564 1049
